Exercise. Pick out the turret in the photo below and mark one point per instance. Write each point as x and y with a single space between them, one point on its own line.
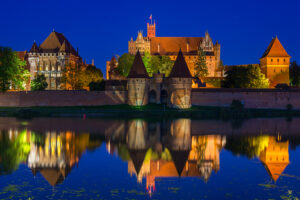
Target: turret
180 84
138 83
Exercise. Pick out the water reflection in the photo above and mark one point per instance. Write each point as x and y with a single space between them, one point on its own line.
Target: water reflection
151 149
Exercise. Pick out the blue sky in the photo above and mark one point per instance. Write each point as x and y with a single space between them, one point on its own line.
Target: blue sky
101 29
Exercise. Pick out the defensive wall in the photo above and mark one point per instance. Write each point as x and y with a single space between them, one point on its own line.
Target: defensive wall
62 98
251 98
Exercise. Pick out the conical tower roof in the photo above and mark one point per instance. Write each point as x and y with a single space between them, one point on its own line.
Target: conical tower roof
179 159
275 49
137 157
138 69
34 48
180 68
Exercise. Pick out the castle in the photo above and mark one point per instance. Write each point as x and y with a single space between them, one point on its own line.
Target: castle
175 91
169 46
51 57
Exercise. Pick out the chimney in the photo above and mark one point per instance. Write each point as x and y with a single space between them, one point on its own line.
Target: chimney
187 47
93 62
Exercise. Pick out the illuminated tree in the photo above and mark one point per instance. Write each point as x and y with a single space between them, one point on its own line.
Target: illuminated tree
201 70
91 74
245 77
247 146
39 83
72 77
125 63
12 70
166 65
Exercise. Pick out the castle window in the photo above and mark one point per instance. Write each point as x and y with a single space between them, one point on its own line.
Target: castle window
283 60
277 60
271 60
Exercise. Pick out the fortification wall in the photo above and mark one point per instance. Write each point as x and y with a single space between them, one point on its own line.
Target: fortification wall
62 98
251 98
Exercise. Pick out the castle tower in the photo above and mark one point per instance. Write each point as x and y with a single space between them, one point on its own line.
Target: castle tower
138 83
180 84
275 63
151 30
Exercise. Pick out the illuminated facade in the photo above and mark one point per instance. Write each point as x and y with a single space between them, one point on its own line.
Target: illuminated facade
169 46
51 57
175 91
275 63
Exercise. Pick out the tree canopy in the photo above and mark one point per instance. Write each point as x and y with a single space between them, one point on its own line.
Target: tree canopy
153 64
78 77
245 77
12 70
39 83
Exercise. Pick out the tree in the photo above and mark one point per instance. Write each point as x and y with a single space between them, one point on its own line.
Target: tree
166 65
245 77
91 74
12 70
72 77
294 74
201 70
125 63
39 83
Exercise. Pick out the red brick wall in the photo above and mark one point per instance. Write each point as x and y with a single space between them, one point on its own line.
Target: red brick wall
252 98
62 98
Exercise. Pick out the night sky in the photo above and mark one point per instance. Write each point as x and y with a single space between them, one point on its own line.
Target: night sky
102 29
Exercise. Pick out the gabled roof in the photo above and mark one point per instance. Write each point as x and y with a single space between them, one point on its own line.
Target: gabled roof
138 69
54 42
275 49
180 68
34 48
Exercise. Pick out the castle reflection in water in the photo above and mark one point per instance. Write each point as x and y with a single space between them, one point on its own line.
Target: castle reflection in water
152 149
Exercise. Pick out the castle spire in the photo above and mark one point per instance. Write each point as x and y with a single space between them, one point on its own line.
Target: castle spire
180 69
138 69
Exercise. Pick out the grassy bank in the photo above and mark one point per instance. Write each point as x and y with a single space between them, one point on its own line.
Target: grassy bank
149 111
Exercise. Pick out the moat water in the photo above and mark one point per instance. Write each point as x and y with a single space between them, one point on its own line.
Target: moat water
73 158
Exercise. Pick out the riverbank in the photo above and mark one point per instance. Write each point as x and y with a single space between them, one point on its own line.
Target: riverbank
148 111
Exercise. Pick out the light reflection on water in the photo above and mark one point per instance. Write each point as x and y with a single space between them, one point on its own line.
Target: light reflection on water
105 159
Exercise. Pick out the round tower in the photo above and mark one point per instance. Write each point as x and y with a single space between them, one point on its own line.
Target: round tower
138 83
180 84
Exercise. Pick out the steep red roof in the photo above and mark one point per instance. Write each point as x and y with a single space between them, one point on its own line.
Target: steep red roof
171 45
275 49
180 68
54 42
138 69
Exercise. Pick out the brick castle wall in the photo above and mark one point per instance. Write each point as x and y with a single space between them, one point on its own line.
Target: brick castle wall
62 98
252 98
